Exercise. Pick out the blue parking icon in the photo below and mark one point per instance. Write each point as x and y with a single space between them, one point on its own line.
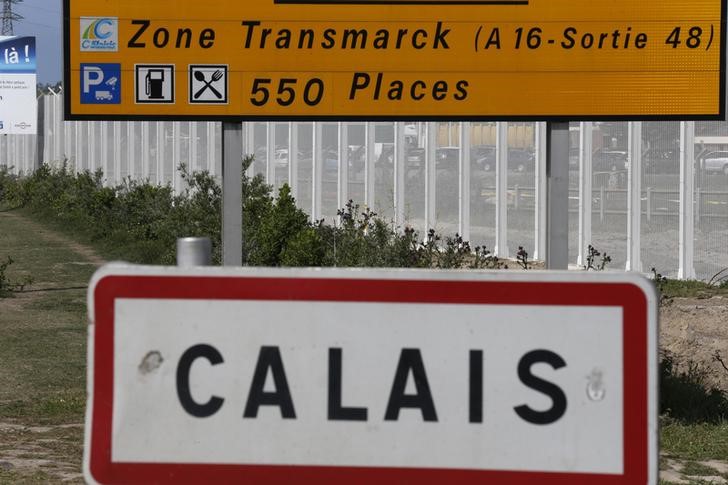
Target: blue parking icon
100 83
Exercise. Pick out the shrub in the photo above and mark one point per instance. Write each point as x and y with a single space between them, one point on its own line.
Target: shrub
591 259
140 222
280 224
4 284
7 286
7 179
684 395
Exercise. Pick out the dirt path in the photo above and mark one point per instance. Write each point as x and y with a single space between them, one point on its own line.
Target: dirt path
695 331
87 254
684 472
38 378
42 454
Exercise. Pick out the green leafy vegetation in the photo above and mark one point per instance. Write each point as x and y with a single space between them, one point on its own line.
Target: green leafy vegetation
8 286
698 441
685 397
136 221
596 260
669 288
694 468
140 222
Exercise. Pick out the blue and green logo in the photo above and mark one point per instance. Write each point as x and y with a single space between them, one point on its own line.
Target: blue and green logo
99 34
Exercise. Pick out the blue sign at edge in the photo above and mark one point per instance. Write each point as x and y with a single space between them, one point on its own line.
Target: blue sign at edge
100 83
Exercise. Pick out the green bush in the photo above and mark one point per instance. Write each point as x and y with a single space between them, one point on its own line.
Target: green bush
684 395
278 225
140 222
135 221
6 285
7 179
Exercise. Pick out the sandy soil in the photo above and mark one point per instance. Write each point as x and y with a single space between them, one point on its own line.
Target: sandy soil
696 331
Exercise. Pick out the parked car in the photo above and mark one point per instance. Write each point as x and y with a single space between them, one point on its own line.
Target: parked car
519 159
609 160
483 156
715 162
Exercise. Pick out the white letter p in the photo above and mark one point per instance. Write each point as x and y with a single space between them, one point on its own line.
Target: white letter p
92 76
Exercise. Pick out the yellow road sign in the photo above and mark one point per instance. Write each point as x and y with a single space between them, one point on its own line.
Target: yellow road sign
395 59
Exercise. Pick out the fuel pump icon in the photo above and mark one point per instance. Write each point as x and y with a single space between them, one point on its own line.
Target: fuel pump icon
155 84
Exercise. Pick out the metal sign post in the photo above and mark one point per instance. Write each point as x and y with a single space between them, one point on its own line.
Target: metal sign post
557 195
232 194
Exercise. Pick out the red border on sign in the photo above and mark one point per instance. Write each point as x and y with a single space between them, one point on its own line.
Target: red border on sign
635 337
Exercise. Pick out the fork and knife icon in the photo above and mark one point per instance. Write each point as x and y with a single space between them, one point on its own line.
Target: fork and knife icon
200 76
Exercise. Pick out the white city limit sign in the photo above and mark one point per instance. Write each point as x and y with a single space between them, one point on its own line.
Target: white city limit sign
359 377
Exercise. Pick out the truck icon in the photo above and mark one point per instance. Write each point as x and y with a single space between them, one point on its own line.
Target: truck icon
104 95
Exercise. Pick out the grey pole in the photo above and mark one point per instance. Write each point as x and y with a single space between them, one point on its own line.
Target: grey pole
430 175
557 195
686 245
464 181
399 173
194 251
232 194
539 225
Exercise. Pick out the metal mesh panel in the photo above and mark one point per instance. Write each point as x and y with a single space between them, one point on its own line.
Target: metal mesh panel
711 198
447 173
58 126
136 152
97 158
521 186
152 154
281 156
330 170
482 185
609 180
414 178
260 147
357 159
575 174
660 196
305 165
169 152
109 154
217 162
84 139
69 141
